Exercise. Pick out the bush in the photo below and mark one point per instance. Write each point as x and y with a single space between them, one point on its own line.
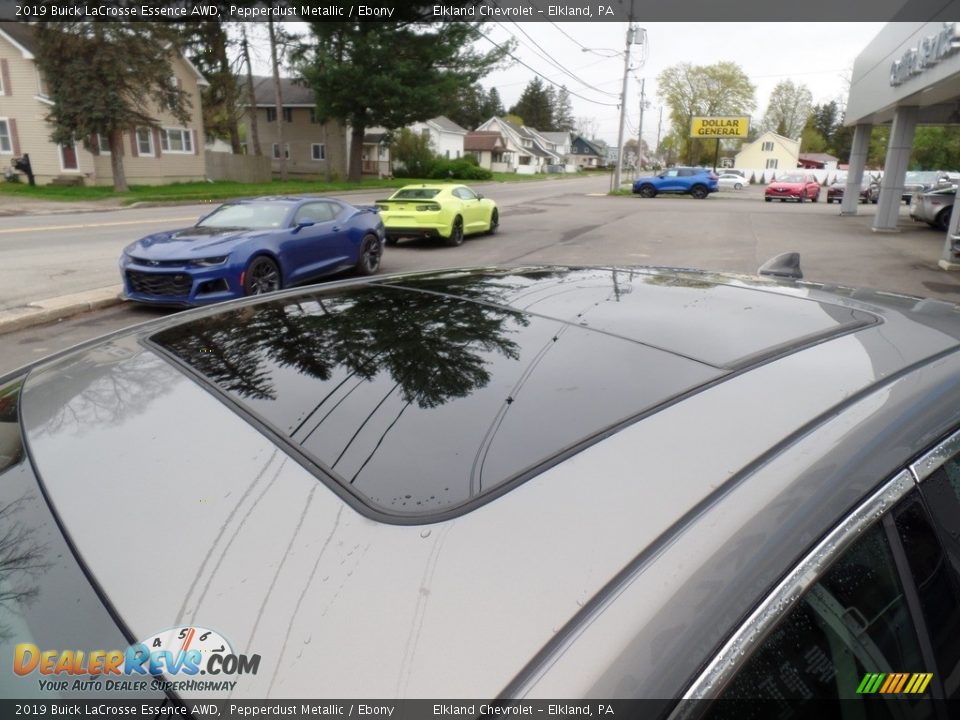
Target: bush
412 155
460 169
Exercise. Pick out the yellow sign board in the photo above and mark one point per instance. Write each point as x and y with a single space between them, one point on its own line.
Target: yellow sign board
724 126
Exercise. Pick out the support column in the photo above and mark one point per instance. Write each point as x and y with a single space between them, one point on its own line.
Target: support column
950 260
858 161
898 155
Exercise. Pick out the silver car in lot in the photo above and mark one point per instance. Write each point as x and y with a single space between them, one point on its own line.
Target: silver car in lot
934 207
505 483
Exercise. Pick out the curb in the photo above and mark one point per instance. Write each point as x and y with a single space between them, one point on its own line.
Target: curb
42 312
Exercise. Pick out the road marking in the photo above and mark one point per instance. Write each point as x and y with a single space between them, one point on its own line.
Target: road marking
94 225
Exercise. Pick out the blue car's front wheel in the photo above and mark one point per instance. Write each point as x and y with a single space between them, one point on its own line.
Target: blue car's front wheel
261 276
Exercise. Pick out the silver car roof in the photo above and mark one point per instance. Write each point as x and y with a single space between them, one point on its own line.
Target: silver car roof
231 531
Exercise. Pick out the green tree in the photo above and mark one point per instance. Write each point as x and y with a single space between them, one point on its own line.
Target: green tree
493 106
390 74
826 119
103 78
468 108
563 111
535 106
788 109
414 153
693 90
208 46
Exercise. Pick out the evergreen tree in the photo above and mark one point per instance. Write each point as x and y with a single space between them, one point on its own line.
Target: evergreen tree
563 111
391 74
493 106
207 47
104 78
467 108
534 106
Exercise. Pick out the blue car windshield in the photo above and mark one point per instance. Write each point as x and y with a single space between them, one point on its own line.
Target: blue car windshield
255 216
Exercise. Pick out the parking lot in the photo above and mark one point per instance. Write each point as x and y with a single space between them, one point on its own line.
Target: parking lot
565 222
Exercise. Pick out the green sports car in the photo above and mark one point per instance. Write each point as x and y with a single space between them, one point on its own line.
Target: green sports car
442 210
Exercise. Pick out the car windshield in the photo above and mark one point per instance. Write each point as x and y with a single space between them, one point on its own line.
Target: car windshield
925 177
792 177
415 194
255 216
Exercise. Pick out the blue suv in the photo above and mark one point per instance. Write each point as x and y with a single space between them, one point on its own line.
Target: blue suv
698 182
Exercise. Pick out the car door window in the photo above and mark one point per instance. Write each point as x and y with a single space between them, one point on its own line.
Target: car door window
314 212
465 194
938 571
854 622
672 173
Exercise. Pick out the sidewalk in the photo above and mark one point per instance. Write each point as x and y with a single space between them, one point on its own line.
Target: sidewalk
12 205
58 308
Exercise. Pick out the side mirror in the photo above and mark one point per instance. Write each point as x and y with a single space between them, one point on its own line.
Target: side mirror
479 196
301 225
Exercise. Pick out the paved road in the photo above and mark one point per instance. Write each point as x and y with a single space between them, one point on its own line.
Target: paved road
562 222
50 255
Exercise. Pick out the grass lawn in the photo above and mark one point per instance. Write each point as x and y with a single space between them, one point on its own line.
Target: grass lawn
211 191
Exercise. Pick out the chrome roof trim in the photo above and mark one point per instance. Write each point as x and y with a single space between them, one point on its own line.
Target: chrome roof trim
715 676
931 462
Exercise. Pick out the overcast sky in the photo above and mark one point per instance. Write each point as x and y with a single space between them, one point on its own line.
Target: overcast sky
818 55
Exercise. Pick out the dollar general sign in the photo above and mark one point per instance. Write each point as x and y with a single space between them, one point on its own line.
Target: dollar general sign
725 126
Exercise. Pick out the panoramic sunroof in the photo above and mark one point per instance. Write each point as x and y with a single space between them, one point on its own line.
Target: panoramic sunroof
418 403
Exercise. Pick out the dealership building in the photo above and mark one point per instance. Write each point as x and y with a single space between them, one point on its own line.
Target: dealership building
908 75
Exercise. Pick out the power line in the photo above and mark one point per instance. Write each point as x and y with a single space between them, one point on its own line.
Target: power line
549 58
538 74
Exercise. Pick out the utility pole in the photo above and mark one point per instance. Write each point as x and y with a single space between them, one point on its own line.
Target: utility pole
659 127
623 103
643 84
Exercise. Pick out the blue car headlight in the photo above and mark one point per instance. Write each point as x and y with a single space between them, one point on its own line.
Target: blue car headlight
208 262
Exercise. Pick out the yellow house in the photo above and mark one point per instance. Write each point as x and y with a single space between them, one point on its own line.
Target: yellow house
769 152
172 152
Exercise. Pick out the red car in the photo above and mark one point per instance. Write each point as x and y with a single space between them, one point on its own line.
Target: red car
793 186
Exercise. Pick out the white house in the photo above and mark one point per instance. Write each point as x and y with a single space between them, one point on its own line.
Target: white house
445 135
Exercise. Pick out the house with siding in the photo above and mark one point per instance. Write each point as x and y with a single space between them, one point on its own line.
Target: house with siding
587 153
490 150
446 137
769 151
311 147
171 152
529 151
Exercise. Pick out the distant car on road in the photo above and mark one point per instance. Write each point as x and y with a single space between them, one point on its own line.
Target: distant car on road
793 186
694 181
869 190
442 210
250 247
934 207
732 181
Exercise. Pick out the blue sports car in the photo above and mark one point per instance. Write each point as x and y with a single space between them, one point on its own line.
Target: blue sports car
249 247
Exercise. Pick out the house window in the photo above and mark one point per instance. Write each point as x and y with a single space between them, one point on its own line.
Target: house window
276 151
272 114
318 151
176 140
313 116
103 144
772 164
144 142
768 147
6 145
42 86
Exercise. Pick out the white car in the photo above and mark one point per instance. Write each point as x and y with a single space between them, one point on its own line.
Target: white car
732 181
